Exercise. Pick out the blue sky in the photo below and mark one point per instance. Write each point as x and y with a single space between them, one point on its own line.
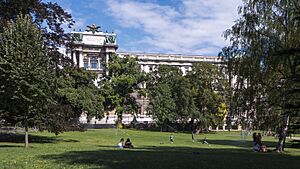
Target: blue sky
159 26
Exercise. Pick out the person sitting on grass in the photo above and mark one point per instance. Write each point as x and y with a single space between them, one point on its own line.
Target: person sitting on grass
171 139
262 147
120 144
257 143
204 141
128 144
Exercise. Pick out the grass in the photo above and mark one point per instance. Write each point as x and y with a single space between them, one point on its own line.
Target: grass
97 149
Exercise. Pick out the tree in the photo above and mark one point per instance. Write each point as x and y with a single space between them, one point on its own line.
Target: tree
119 86
171 97
162 105
162 90
71 96
268 41
184 100
25 75
75 94
208 86
48 16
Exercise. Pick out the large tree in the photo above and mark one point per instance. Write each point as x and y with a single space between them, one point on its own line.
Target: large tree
75 94
171 96
208 86
267 42
161 91
121 84
72 90
25 74
162 105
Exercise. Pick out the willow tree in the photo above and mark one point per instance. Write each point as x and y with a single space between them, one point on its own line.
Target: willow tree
266 39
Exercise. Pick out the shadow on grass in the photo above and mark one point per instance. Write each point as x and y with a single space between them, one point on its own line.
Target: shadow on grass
19 138
175 158
10 146
237 143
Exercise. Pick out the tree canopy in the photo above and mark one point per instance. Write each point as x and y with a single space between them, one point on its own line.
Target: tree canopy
40 87
264 48
194 98
121 84
25 69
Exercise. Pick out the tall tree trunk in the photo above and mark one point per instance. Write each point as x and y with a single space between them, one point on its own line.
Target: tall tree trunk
26 137
283 133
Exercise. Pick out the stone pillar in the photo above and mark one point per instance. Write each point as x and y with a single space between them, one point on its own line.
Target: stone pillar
80 59
142 107
224 127
106 62
74 57
146 68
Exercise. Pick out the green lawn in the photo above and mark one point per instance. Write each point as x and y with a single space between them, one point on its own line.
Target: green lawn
97 149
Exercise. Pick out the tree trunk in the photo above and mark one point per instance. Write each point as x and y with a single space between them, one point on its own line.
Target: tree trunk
26 137
283 133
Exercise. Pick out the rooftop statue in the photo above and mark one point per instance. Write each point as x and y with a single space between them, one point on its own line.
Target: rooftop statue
110 39
93 28
77 37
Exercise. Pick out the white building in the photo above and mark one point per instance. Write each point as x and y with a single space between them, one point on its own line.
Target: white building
92 48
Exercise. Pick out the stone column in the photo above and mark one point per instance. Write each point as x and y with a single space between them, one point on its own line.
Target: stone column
80 59
106 62
74 57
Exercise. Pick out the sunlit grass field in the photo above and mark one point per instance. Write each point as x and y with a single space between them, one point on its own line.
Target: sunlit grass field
97 149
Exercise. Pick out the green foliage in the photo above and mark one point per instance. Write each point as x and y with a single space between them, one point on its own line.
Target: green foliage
196 96
48 16
25 74
119 86
208 86
40 86
183 97
162 105
34 91
170 95
75 94
266 43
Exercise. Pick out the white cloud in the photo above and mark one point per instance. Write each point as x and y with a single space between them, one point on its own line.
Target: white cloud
195 27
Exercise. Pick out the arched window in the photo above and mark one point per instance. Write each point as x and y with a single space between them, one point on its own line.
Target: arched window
94 63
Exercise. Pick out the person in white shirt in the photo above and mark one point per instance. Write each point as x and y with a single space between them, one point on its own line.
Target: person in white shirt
121 142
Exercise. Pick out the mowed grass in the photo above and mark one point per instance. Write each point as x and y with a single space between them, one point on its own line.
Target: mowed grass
97 149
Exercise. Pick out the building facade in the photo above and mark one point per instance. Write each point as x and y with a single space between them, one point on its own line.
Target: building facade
92 49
